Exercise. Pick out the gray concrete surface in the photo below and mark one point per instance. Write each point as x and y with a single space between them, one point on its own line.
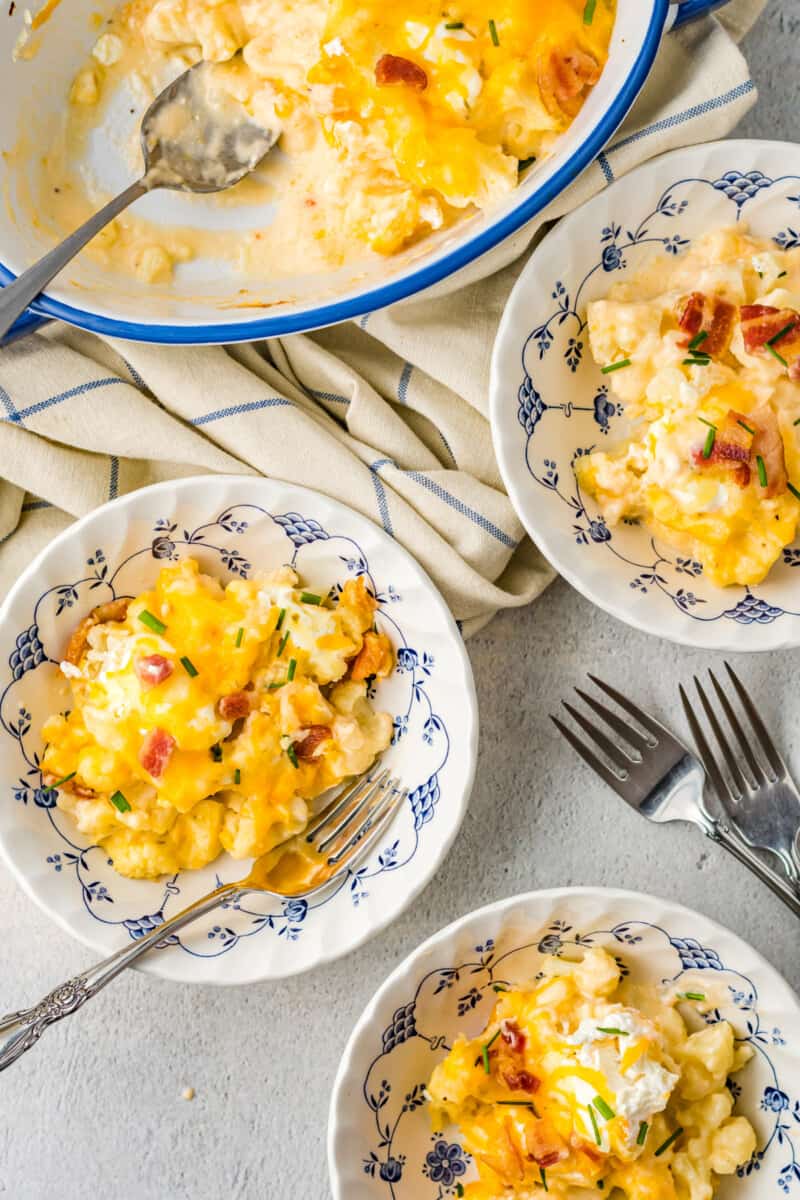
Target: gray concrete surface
96 1109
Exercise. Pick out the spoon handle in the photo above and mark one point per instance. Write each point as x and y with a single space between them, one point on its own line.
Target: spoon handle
21 1030
16 296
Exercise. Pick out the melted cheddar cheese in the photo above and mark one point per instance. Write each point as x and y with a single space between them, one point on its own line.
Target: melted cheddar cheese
207 718
670 471
395 119
572 1089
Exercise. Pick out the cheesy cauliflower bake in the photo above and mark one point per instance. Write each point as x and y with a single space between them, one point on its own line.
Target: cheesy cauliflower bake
704 353
395 119
572 1091
207 718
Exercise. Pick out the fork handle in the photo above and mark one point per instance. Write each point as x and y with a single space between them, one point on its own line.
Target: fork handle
724 836
20 1030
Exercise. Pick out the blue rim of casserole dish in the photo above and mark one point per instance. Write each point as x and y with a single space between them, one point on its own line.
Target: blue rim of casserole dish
385 294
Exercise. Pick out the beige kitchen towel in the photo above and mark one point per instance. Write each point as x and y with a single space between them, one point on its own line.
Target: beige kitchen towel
388 414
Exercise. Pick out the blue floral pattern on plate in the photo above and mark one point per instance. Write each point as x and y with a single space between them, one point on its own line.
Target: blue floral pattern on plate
563 405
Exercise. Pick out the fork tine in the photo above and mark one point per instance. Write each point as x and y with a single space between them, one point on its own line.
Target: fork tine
765 741
588 756
617 756
615 722
357 805
656 730
728 757
340 802
372 827
756 769
709 762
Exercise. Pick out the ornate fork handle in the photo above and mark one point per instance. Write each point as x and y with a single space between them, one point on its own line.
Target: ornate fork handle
21 1030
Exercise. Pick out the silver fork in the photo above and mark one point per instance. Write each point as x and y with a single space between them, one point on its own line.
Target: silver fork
343 832
753 784
657 776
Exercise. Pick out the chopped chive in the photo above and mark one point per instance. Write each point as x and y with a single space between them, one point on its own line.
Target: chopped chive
493 32
613 1032
698 339
782 274
642 1134
493 1038
752 432
775 354
520 1104
615 366
604 1109
498 987
310 598
189 667
691 996
485 1059
273 687
147 618
281 618
216 752
459 1189
786 329
239 636
793 490
710 424
120 803
282 645
291 670
292 755
595 1127
454 25
51 787
544 1179
237 776
588 12
697 360
709 446
762 477
666 1145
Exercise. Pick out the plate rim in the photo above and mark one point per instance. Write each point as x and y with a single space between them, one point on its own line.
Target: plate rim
416 281
148 964
336 1126
548 546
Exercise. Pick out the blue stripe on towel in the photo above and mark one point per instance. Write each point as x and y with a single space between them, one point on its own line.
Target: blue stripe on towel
689 114
18 415
237 409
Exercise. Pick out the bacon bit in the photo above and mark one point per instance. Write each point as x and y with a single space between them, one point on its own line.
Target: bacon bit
156 752
315 735
732 448
768 445
71 786
563 80
710 315
545 1147
232 707
513 1036
391 69
521 1081
152 669
374 658
115 610
761 325
310 202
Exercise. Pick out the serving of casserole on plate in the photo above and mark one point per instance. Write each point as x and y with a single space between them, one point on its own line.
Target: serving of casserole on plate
645 398
186 670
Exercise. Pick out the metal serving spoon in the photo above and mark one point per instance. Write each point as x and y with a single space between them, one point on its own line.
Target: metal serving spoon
194 139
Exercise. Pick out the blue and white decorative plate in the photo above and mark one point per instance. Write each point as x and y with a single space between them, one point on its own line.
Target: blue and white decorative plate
550 402
381 1145
233 525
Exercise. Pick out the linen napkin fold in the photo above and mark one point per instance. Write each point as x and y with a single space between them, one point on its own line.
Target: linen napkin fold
388 414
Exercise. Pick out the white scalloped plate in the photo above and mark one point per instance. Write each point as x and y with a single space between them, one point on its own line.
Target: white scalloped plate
550 403
381 1145
233 525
